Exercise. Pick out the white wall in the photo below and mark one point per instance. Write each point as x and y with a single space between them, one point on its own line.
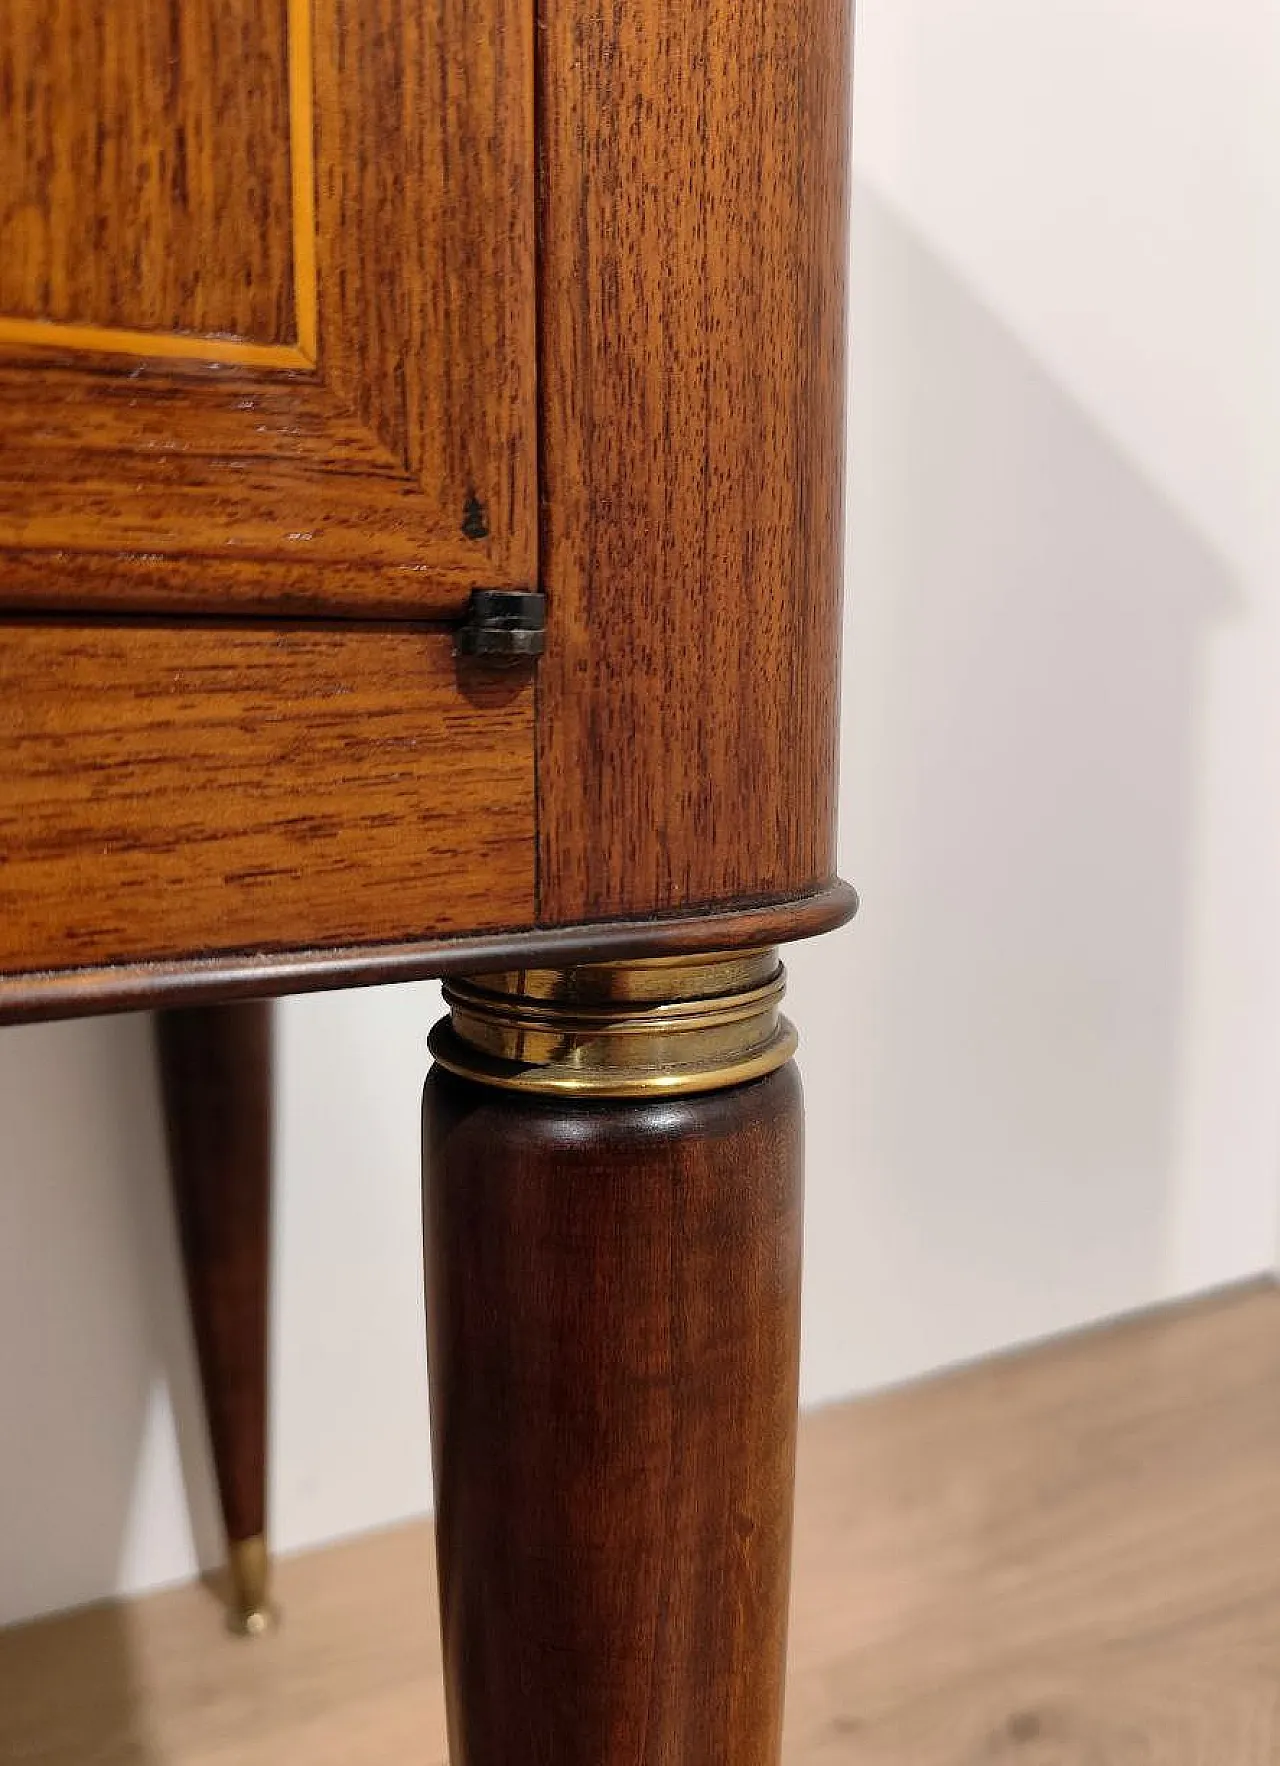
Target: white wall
1052 1089
1043 1067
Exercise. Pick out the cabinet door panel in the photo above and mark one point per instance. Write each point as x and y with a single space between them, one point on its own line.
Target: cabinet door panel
125 130
266 304
171 790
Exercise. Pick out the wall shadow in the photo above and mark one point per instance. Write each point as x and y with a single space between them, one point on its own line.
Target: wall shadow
93 1330
1027 613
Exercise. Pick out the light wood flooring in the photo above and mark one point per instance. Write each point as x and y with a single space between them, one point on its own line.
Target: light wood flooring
1067 1557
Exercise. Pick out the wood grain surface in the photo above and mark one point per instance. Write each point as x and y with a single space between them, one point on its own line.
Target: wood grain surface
613 1330
126 131
185 789
686 388
1058 1558
1061 1559
691 299
246 491
385 462
425 245
216 1075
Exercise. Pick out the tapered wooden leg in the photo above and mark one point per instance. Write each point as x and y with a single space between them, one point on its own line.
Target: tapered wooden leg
613 1322
215 1065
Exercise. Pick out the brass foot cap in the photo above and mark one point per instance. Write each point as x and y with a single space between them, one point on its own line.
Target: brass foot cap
254 1623
250 1613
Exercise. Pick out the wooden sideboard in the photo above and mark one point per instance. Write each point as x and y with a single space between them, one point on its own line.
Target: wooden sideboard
421 453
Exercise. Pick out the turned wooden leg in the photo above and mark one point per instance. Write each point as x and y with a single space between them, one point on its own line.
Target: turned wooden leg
612 1208
215 1065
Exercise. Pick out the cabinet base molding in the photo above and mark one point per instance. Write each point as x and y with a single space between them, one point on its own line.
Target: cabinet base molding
72 991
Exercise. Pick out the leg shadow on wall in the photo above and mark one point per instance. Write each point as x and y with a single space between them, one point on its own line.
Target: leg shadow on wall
93 1332
1028 615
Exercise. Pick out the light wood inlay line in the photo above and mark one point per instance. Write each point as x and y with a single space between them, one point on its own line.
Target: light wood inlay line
302 151
166 345
202 347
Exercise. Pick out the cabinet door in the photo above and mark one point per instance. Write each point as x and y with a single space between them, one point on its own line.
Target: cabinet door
266 304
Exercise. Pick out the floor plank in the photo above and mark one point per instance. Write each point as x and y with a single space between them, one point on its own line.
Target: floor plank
1067 1557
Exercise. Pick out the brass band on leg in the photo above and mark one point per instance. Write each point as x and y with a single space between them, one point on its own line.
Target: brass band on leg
660 1026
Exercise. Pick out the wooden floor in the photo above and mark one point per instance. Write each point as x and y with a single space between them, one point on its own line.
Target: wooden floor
1070 1557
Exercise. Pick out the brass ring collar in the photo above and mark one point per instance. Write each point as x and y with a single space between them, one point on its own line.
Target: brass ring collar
657 1027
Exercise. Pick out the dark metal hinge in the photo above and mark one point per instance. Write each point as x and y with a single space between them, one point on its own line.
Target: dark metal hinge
503 626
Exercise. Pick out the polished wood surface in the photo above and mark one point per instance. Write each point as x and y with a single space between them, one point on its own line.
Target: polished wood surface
613 1336
267 332
184 814
245 451
691 300
175 789
215 1070
1059 1559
